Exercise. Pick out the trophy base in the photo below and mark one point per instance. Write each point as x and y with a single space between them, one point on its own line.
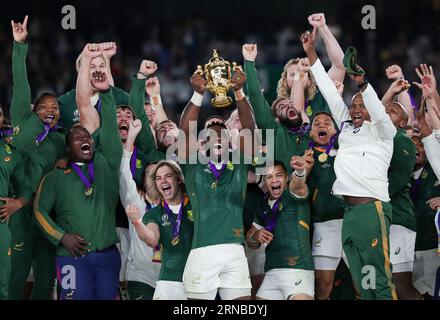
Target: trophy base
221 102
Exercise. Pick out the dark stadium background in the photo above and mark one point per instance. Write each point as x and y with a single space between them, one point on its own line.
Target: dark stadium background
179 35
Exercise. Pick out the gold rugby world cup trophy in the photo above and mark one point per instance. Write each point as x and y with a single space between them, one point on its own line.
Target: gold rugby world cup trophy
218 74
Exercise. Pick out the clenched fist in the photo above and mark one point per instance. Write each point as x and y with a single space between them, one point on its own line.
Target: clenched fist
199 83
249 52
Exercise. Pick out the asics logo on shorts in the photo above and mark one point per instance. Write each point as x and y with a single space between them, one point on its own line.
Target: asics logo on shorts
318 242
397 251
298 282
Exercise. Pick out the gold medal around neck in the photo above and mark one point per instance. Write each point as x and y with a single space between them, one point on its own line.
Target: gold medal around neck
214 185
175 241
89 192
323 157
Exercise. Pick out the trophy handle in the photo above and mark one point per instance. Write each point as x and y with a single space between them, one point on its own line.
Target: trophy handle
200 70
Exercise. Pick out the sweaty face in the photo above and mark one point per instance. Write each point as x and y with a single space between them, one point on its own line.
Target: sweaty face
323 129
166 134
276 182
397 115
167 184
48 111
124 117
358 112
151 114
287 114
81 145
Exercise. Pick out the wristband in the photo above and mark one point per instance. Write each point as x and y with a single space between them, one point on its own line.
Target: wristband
239 95
144 75
156 101
197 99
298 76
360 86
300 175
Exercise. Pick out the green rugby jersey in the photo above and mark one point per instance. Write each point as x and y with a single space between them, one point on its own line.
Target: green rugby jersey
13 181
62 192
399 176
69 114
422 190
173 257
324 205
290 247
287 144
217 207
39 158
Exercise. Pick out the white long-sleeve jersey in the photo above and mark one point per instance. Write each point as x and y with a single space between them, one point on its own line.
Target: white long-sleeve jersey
365 153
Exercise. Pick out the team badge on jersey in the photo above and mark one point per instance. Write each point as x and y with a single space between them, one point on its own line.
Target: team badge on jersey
138 163
309 111
165 221
8 149
230 166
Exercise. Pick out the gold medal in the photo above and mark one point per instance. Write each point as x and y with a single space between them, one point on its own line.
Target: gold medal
157 256
89 191
323 157
214 185
175 241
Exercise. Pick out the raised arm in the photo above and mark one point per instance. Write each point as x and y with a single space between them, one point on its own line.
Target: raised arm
152 88
326 86
395 88
111 145
394 72
21 91
192 110
262 110
89 117
334 50
127 186
145 140
148 233
379 118
299 84
108 51
301 168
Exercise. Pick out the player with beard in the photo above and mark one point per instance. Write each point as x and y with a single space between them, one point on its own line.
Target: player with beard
425 193
69 112
283 225
83 198
216 188
40 141
284 117
170 225
364 155
12 176
403 227
327 210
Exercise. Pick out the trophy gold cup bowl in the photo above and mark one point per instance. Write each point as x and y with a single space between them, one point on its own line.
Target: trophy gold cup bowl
218 75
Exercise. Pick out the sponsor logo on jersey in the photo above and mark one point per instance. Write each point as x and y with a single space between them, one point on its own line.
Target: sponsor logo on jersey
356 130
374 243
291 261
67 171
405 153
7 159
318 242
19 246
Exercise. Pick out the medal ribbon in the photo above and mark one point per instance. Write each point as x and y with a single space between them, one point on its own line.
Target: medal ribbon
7 132
133 162
45 132
271 221
215 172
175 224
301 130
99 105
91 171
415 187
328 147
437 225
